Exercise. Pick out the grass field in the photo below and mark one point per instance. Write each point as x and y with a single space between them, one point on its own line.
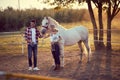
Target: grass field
11 43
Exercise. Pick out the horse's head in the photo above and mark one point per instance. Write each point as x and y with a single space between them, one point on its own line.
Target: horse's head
45 22
47 25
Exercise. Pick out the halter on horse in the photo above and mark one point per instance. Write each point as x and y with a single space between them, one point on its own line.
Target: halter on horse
71 36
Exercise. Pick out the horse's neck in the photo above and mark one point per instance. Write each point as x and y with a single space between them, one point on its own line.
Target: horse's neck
58 26
61 28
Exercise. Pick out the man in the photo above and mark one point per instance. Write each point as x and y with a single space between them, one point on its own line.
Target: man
31 36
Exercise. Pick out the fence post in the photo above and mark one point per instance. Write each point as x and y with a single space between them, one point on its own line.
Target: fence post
22 37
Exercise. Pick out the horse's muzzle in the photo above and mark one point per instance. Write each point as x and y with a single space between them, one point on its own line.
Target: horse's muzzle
45 27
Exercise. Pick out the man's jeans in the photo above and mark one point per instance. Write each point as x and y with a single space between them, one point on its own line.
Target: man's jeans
32 48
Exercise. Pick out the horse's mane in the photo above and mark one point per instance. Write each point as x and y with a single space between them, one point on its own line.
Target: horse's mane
54 21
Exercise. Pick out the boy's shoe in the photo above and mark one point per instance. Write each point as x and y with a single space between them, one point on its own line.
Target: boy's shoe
30 68
36 68
57 67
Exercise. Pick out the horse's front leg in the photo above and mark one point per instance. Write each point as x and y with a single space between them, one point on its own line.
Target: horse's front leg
62 55
81 50
88 49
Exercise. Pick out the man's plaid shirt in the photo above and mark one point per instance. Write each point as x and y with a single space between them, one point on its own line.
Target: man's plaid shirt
28 34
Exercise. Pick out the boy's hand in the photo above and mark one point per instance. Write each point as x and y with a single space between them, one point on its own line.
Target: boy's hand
52 42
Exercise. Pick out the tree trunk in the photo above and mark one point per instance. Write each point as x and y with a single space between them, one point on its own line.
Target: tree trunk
109 27
101 43
95 31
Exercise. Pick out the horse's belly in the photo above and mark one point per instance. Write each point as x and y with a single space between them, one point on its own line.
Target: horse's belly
71 40
69 43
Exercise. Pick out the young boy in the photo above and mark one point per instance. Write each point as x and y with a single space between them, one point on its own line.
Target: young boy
54 38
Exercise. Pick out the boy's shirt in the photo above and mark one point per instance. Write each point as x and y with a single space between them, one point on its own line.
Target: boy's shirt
54 37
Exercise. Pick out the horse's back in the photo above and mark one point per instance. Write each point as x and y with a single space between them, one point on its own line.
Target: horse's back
74 35
82 31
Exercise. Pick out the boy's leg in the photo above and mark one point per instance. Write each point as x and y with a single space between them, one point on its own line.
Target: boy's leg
53 53
53 47
57 57
30 55
57 50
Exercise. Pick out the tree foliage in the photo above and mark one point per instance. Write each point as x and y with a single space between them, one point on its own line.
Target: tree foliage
14 20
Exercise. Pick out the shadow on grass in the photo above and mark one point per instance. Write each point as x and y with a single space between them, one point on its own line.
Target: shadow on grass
93 70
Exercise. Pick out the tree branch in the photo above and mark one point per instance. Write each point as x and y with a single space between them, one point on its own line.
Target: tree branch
115 9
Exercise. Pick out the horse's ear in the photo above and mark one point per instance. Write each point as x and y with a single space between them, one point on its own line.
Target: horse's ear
46 17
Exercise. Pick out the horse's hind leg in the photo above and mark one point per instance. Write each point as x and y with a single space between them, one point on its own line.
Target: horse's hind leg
88 48
81 49
62 55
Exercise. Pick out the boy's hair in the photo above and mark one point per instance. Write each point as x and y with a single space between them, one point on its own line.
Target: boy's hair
54 30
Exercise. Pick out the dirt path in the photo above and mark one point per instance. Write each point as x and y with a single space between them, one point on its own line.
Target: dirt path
103 66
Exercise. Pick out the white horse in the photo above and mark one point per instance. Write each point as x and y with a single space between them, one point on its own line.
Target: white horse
71 36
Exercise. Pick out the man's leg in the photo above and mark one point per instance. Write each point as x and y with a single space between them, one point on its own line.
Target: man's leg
30 55
35 55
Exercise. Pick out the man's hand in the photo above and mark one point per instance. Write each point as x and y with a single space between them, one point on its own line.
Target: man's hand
29 41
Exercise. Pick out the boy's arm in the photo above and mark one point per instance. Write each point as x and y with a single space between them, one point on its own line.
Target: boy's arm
46 36
57 39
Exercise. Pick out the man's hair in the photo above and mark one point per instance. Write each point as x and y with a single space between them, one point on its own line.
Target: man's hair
33 20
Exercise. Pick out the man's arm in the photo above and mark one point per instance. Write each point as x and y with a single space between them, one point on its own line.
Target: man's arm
26 36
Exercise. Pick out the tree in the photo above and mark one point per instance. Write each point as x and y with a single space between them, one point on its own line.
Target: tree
94 24
99 4
112 10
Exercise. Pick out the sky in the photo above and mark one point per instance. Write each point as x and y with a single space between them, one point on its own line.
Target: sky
28 4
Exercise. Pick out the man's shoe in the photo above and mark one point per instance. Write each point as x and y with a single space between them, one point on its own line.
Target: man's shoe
36 68
30 68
